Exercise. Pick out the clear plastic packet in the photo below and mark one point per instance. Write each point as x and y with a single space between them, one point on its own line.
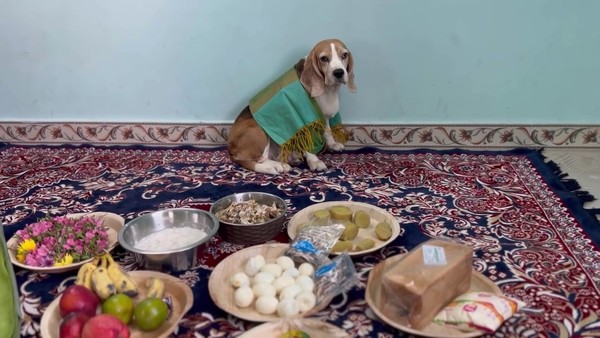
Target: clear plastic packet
313 243
481 311
335 277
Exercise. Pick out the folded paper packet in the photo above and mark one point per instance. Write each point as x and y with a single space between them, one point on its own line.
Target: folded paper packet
427 279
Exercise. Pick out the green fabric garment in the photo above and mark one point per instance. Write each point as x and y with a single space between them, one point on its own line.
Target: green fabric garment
287 113
9 301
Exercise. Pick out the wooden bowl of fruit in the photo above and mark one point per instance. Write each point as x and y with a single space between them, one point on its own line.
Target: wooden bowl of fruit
106 299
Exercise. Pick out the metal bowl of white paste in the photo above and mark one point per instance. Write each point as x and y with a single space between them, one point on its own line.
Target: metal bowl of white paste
169 239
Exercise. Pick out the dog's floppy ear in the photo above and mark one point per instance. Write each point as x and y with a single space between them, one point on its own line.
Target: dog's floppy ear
350 69
312 77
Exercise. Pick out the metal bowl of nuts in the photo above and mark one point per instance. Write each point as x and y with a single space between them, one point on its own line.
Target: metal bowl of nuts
249 217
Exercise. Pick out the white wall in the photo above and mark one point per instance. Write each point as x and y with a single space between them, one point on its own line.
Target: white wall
421 61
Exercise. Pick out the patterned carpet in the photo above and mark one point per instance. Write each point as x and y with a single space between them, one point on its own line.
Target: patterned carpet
530 234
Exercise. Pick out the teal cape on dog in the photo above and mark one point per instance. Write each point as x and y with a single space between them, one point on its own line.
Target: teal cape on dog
291 118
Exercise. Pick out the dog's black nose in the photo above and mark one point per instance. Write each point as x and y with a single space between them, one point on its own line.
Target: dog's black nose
338 73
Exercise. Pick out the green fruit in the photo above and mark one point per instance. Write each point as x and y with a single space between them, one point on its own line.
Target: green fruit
119 305
150 314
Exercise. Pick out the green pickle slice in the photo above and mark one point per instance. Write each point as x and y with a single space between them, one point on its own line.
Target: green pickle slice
361 218
383 231
350 232
365 244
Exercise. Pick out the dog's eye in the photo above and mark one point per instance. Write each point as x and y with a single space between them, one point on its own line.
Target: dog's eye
324 58
344 56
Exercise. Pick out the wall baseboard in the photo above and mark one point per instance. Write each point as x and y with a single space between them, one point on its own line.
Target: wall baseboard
383 136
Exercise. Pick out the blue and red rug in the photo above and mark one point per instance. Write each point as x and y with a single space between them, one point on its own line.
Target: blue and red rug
524 219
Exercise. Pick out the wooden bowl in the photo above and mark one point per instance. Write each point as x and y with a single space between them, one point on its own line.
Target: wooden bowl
376 298
377 215
221 291
114 223
180 293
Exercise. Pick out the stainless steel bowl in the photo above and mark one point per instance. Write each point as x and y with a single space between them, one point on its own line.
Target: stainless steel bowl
179 259
250 233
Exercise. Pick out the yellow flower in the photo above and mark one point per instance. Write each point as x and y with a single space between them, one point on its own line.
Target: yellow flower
21 257
66 260
26 246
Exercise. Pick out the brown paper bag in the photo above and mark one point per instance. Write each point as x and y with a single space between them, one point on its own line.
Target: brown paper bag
427 279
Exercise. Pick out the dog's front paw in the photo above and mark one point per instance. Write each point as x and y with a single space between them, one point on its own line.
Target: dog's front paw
272 167
317 165
336 146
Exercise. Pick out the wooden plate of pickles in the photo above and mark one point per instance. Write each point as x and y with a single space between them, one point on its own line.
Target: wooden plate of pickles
367 227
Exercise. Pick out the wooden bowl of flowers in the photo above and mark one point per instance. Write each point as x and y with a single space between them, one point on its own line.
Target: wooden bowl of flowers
64 243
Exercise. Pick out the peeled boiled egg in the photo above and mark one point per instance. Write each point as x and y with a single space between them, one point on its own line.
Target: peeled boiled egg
281 282
305 282
263 277
285 262
306 300
253 265
239 279
288 307
263 289
290 291
306 269
292 272
272 268
243 296
266 305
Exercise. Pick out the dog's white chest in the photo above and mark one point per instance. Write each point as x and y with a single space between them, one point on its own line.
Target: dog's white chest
329 103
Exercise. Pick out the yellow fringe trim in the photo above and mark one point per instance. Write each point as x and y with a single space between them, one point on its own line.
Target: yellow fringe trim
340 134
303 140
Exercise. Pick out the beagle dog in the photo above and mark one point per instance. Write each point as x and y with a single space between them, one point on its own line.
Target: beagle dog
266 137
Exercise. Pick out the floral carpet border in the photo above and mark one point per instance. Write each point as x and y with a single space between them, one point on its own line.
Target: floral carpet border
382 136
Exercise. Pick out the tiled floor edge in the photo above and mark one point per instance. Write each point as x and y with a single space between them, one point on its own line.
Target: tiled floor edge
380 135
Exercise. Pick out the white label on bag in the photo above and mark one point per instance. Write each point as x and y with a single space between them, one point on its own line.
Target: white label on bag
434 255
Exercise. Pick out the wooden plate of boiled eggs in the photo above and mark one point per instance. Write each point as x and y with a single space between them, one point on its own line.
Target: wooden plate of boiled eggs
261 284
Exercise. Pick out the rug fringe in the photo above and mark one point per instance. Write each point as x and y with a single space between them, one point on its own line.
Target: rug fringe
571 184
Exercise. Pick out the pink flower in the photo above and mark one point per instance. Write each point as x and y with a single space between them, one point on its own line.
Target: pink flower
41 251
80 238
30 259
102 244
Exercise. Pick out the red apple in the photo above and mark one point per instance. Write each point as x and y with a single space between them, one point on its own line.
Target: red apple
72 325
77 298
105 326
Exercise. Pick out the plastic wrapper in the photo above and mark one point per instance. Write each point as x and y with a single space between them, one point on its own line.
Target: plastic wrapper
313 243
480 311
427 279
335 277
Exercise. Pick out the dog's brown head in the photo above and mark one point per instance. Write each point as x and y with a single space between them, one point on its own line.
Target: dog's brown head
328 64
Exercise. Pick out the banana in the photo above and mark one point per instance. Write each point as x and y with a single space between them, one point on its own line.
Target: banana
123 282
84 275
101 282
156 287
